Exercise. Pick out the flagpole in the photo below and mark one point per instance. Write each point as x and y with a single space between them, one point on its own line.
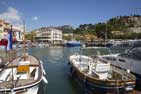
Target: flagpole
10 60
11 39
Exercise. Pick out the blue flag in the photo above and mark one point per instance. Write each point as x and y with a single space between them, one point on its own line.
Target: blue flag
11 40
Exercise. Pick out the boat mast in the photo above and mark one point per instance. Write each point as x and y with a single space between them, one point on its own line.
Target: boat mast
24 47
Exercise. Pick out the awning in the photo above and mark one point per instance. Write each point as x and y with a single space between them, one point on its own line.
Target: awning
4 42
14 39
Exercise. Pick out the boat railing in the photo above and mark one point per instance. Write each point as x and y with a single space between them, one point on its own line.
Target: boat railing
23 86
123 73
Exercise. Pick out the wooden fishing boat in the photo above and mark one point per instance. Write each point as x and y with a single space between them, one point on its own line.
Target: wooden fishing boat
98 77
22 76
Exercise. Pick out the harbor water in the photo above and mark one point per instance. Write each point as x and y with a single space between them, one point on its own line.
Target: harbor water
55 62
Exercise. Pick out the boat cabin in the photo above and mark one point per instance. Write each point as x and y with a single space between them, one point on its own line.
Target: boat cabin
102 70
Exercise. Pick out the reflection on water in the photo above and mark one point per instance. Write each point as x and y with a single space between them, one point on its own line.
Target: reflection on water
55 64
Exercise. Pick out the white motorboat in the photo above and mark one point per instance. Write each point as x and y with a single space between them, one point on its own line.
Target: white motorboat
129 60
98 77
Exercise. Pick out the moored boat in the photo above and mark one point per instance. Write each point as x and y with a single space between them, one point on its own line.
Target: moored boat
73 44
98 77
123 44
22 76
130 59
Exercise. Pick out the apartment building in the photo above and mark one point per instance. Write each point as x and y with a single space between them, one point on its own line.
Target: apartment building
49 35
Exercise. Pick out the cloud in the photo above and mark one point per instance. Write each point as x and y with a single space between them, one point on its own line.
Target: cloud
11 15
35 18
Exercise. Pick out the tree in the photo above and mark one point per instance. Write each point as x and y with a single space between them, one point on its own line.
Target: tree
66 37
30 36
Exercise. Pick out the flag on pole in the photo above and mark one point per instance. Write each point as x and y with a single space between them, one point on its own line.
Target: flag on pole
10 40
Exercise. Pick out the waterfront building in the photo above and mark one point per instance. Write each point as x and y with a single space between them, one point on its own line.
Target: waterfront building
49 35
4 26
16 30
17 33
1 28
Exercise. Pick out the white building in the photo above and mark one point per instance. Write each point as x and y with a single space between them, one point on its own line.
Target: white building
49 35
18 32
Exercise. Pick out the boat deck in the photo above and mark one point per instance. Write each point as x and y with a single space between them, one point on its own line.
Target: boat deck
122 74
15 83
116 73
32 59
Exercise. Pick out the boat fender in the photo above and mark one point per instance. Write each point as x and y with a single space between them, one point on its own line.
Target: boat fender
41 61
44 72
128 70
12 91
45 80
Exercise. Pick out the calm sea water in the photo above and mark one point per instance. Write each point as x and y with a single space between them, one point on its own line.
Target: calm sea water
55 63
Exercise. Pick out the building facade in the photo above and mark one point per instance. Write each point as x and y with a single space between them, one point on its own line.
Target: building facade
4 26
16 30
49 35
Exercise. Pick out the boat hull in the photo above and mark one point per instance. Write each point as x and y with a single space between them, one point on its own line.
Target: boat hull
28 90
91 86
33 90
71 44
124 63
23 86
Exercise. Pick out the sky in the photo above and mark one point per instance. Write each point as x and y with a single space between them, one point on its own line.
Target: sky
40 13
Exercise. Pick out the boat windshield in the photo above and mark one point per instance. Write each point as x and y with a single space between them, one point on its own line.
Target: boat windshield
135 53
